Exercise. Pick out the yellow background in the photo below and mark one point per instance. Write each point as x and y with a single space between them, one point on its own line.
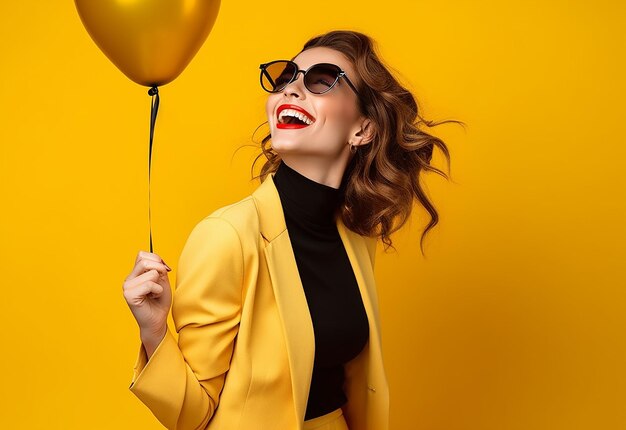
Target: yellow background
514 320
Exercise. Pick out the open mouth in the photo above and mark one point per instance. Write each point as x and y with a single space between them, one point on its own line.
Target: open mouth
292 118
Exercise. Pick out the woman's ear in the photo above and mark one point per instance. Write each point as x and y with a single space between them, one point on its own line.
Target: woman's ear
364 133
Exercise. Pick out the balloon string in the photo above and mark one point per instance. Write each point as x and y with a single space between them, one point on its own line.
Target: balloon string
154 109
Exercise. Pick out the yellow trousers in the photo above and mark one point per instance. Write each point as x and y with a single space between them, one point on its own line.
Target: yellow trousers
331 421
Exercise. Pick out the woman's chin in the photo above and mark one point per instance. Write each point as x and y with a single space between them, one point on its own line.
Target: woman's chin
286 146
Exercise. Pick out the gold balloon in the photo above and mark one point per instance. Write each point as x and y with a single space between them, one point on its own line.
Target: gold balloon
150 41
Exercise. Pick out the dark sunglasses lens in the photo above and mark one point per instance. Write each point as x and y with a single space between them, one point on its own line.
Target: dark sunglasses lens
277 75
321 78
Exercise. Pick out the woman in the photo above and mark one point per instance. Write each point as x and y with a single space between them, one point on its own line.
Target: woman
275 305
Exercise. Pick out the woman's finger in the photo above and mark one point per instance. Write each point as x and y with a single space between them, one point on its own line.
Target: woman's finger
151 275
150 287
143 291
143 265
148 255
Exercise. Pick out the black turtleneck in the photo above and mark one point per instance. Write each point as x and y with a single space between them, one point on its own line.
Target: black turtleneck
337 312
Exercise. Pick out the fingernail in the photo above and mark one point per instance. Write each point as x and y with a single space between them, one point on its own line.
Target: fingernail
168 267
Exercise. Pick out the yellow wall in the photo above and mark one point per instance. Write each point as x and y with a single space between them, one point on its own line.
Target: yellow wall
515 319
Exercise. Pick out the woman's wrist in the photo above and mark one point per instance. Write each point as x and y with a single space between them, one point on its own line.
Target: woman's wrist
152 340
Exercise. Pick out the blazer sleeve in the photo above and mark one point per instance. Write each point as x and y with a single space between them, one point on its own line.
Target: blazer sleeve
182 381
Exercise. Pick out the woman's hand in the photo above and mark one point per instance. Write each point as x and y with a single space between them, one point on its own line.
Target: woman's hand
148 294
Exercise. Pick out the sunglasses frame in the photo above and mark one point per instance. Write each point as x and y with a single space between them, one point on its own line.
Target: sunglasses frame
340 74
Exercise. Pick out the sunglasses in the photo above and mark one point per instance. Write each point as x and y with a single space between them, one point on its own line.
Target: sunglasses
318 79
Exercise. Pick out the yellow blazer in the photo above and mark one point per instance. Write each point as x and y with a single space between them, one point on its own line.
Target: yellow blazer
245 335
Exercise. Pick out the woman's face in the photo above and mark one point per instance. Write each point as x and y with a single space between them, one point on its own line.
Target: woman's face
335 113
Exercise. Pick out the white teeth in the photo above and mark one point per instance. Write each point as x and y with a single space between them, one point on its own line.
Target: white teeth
296 114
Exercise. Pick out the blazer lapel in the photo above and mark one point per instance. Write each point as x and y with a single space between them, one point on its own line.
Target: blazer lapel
366 373
288 291
291 299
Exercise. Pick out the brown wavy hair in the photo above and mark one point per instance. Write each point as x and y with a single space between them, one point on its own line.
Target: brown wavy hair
383 176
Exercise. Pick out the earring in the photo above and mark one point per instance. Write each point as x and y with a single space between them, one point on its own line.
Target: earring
352 148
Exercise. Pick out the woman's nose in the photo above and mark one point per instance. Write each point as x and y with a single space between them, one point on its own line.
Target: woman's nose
295 86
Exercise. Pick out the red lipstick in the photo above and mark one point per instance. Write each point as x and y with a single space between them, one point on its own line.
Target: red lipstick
296 108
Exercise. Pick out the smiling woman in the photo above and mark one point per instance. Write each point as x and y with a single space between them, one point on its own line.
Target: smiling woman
378 120
276 305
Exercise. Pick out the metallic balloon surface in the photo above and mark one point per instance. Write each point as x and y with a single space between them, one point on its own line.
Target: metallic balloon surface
150 41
